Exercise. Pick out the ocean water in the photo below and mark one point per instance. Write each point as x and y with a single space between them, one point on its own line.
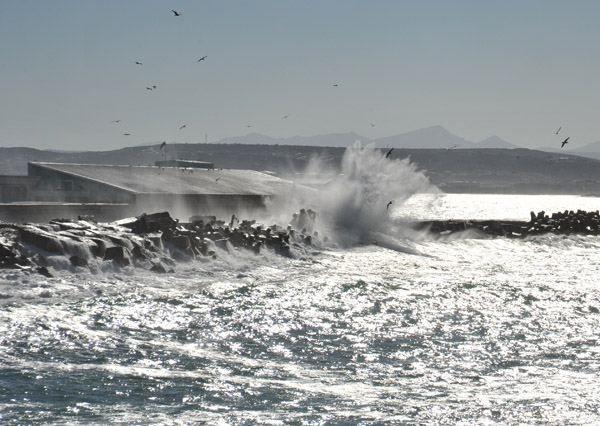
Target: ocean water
380 326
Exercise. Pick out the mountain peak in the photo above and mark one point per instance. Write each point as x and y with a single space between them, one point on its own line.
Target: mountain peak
434 137
496 142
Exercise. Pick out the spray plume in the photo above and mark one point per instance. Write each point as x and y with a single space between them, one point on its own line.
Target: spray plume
354 207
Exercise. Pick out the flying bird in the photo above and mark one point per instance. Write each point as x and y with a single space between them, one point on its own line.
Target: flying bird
388 205
335 85
247 126
138 63
175 12
389 153
126 134
149 88
183 127
566 141
163 145
558 130
285 116
372 125
202 58
453 146
116 121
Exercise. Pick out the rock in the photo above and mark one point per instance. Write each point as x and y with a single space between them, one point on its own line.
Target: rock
207 246
117 254
41 239
6 251
140 253
140 226
182 242
78 261
99 249
222 244
158 268
180 257
202 219
42 270
40 260
163 220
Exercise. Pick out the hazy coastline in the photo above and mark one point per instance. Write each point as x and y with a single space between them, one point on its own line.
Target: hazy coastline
484 170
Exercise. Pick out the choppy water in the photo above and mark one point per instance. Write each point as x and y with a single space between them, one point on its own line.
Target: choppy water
460 331
464 332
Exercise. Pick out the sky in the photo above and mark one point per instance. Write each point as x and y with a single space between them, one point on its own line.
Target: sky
517 69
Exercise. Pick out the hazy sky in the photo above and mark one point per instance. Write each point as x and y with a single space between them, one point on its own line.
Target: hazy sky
517 69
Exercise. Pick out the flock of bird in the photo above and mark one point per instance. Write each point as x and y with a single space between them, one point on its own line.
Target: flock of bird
387 155
154 87
203 58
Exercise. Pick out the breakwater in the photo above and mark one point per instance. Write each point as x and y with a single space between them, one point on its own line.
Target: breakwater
157 242
154 242
567 222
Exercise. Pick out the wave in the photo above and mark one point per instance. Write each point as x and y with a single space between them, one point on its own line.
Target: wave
356 206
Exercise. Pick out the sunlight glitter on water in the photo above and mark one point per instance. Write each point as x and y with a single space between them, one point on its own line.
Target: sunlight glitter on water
465 331
488 206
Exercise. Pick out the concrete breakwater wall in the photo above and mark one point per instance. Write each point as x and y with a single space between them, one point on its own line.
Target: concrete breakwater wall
567 222
154 242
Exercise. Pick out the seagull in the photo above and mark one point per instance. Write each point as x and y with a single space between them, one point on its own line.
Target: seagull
558 130
566 141
183 127
202 58
138 63
388 205
389 153
175 12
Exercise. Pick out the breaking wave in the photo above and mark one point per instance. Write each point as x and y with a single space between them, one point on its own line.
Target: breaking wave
356 206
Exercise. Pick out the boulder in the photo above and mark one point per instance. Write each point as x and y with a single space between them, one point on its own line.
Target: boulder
41 239
99 247
222 244
117 254
42 270
78 261
158 268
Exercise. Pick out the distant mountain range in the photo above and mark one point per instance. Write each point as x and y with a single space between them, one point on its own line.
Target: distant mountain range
435 137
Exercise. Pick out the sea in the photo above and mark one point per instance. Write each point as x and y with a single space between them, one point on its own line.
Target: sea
373 325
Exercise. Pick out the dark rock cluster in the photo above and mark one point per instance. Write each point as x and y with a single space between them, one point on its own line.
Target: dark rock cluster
567 222
154 242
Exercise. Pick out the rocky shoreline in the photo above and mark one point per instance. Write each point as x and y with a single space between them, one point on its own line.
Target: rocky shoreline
154 242
157 242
